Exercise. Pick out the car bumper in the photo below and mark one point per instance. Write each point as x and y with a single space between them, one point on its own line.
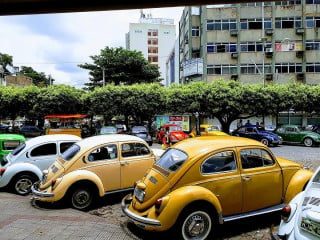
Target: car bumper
140 221
40 194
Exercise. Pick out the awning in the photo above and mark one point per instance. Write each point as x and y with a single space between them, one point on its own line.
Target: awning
67 116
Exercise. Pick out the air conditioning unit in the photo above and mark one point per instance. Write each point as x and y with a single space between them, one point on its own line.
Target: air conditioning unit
300 76
234 55
299 54
269 77
269 32
269 50
233 32
300 31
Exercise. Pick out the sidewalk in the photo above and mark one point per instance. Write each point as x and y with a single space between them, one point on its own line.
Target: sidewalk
20 220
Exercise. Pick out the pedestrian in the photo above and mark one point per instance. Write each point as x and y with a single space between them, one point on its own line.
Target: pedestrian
248 123
166 141
262 126
239 124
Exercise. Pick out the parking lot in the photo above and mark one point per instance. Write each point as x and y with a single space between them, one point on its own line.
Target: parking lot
20 219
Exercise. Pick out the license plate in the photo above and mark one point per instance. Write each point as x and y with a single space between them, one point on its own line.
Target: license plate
310 226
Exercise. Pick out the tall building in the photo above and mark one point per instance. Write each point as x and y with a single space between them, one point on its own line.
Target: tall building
251 43
155 38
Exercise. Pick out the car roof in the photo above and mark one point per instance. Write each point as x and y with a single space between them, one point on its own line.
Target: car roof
169 125
202 145
9 136
101 139
52 137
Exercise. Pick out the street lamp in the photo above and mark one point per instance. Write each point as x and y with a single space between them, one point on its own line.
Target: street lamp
196 114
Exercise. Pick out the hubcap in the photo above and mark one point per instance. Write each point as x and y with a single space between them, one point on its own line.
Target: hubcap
23 186
197 225
308 142
81 199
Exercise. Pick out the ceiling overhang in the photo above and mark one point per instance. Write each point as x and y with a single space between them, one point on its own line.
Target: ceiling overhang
18 7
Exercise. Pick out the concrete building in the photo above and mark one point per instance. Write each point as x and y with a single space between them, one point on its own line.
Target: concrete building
259 42
155 38
251 43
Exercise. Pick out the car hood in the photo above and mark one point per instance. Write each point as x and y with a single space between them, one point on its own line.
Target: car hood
54 171
178 135
156 184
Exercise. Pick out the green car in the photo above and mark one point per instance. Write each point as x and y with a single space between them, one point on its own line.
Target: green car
296 134
8 142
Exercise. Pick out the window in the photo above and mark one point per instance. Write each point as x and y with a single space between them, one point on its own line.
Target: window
153 59
64 146
293 22
254 46
153 32
172 159
221 47
103 153
152 49
10 145
288 67
313 67
134 149
153 41
70 152
288 3
312 22
255 68
226 24
253 158
313 45
221 69
43 150
195 31
255 23
219 162
312 1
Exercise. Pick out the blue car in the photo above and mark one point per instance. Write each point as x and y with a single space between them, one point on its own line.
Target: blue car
258 133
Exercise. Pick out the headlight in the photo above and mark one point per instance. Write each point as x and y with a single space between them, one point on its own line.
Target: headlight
139 194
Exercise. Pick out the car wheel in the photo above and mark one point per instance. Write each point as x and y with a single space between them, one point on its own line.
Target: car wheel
308 142
22 184
195 223
265 141
81 198
150 143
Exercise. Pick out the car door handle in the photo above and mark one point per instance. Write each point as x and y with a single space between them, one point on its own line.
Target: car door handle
124 163
246 179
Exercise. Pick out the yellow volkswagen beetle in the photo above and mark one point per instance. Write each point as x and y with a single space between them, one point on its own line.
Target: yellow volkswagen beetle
204 181
94 167
208 130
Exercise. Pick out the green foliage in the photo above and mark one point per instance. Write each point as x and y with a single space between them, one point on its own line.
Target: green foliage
5 61
38 79
119 66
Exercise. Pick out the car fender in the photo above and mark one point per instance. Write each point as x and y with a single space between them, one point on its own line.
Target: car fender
297 183
63 184
179 199
286 228
14 169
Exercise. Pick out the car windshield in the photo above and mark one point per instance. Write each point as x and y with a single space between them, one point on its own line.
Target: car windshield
172 159
70 152
139 129
316 178
213 128
108 130
175 128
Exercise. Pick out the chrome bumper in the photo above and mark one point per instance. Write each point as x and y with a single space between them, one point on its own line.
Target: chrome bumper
136 218
40 194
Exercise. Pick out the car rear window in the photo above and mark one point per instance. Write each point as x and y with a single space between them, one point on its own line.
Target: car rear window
172 159
18 149
70 152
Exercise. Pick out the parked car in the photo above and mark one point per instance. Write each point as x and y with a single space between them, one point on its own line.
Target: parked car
207 130
94 167
201 182
108 130
141 132
301 217
259 134
30 131
8 142
296 134
176 133
24 165
4 128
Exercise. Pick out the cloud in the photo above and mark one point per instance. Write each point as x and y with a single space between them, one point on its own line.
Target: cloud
57 43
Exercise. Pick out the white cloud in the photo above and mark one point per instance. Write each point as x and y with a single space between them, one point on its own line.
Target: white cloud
56 43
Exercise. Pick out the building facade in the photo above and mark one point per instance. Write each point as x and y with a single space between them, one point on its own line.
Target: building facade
155 38
252 43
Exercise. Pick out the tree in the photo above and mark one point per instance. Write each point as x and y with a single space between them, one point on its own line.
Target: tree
5 61
120 66
38 78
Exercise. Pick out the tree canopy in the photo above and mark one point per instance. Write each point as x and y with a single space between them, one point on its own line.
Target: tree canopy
119 66
5 61
38 78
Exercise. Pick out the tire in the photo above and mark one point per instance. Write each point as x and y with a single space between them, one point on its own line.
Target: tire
150 143
265 141
81 198
199 219
308 142
21 184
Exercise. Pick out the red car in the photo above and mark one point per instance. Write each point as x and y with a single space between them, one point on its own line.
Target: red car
176 133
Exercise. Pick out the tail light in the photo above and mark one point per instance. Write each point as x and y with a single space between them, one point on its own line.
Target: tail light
53 182
157 204
285 213
161 203
2 170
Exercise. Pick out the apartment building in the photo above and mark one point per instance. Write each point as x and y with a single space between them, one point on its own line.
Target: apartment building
259 42
155 38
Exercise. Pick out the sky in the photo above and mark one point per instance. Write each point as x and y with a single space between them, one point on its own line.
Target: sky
57 43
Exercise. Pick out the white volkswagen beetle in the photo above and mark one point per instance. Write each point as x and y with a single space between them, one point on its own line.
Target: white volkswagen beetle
24 165
300 219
